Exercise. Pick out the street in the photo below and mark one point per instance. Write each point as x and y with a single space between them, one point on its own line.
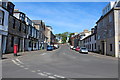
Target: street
60 63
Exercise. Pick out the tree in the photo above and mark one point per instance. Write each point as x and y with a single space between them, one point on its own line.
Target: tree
63 36
70 37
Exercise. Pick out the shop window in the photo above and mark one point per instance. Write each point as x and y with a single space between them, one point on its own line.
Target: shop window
1 17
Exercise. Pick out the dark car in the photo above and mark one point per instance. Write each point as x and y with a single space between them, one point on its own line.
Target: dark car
49 48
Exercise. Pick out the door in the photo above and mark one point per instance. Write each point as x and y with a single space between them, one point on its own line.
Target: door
4 39
103 48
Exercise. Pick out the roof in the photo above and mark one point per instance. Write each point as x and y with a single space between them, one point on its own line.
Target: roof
37 21
116 7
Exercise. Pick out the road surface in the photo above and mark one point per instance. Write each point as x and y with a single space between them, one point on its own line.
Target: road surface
60 63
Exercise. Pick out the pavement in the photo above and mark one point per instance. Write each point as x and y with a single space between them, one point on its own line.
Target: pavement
60 63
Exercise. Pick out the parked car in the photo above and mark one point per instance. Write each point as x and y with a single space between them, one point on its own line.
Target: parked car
56 46
77 49
49 48
71 47
83 50
74 48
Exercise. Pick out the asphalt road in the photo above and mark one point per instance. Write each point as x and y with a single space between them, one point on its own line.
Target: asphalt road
60 63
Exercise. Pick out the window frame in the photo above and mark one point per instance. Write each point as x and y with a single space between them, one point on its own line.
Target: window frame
2 18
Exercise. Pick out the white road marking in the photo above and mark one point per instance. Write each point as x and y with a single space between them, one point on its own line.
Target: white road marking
59 76
19 61
22 66
38 70
47 73
33 71
51 77
15 62
42 74
26 68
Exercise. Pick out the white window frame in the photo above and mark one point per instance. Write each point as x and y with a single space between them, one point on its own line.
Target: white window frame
2 18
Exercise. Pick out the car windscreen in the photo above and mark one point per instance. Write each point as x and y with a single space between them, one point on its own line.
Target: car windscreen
84 48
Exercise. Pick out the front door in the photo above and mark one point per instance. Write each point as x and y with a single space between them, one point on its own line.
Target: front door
103 48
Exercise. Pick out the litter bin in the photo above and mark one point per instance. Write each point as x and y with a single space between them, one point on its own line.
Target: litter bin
15 49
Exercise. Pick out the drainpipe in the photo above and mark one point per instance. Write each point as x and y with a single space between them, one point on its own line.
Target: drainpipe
0 47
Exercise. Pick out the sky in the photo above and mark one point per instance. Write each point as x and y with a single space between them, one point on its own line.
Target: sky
64 16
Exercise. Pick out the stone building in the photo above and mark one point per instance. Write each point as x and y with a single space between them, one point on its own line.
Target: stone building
48 34
17 32
108 30
40 26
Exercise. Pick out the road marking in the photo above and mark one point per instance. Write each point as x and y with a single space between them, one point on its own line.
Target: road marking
59 76
51 77
26 68
42 74
15 62
44 54
38 70
22 66
47 73
19 61
33 71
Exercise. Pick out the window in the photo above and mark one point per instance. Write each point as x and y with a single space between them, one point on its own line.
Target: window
110 18
35 45
30 44
95 37
13 23
95 45
20 27
110 47
1 17
99 47
12 41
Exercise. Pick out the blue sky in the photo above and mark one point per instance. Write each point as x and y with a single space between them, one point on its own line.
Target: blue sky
64 16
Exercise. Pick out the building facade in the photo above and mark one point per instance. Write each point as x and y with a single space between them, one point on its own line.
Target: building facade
40 26
4 14
108 32
17 33
90 41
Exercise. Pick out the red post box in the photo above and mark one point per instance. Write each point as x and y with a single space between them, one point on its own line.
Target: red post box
15 49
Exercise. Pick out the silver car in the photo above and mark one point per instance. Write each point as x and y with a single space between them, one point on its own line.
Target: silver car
83 50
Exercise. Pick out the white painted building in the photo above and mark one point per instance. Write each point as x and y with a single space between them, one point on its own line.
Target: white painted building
83 35
3 27
90 42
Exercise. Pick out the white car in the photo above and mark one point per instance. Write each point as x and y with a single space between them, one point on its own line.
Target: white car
83 50
56 46
71 47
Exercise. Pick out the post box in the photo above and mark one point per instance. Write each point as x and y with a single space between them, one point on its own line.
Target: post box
15 49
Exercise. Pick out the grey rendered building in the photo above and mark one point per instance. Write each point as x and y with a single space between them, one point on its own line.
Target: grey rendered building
108 30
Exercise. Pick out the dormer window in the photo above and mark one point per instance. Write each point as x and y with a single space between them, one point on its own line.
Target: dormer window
1 17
